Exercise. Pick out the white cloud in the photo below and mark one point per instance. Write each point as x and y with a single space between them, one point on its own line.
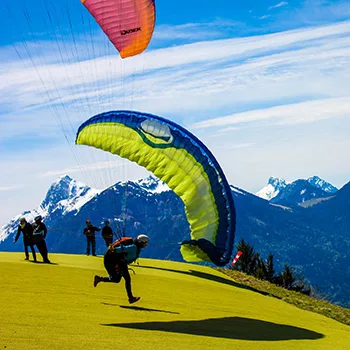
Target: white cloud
225 131
297 113
264 17
280 4
82 168
318 11
196 31
10 188
237 145
159 79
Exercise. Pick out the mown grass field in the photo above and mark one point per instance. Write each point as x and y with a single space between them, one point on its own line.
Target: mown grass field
183 306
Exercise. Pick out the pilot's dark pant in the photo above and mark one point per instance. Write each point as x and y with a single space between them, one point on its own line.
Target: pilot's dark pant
117 267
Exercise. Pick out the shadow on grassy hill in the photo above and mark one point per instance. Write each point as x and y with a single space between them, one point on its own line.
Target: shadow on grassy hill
210 277
42 262
138 308
228 327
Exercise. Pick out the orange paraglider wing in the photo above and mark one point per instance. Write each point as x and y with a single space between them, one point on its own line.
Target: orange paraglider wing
129 24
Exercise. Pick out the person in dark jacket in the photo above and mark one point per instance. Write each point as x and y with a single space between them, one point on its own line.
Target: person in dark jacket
27 231
117 258
39 235
89 232
107 234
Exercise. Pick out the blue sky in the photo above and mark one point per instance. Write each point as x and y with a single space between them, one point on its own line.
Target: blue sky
264 84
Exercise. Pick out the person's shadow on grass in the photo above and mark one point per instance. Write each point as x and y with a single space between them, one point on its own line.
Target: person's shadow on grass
229 328
43 263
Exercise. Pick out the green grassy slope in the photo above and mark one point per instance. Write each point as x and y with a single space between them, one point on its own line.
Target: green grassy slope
300 300
183 306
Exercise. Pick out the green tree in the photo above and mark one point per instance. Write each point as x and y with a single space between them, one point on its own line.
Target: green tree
247 263
260 271
287 277
270 270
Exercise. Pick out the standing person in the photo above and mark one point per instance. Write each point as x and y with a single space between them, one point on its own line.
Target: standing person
117 258
27 230
107 234
89 232
39 235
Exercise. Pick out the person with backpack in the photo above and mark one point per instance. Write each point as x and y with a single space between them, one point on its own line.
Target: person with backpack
39 235
107 234
118 256
27 230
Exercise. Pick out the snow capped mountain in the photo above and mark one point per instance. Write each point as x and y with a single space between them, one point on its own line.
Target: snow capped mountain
69 195
64 195
66 192
11 226
273 188
279 191
152 184
297 192
323 185
145 186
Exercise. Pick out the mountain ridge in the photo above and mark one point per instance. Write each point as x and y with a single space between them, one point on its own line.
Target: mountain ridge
279 191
